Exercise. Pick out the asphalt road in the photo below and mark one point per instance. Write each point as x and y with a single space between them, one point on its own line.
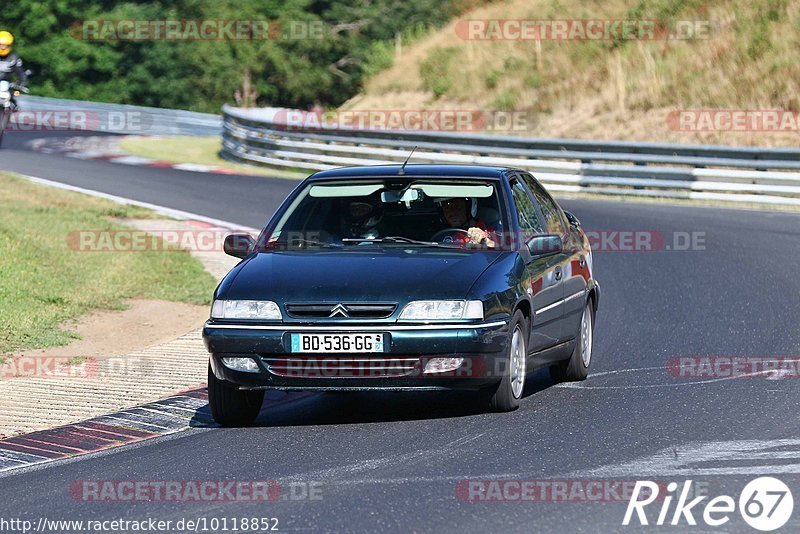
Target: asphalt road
393 462
248 199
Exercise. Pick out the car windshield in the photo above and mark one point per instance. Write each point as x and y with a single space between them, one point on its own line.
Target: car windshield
463 213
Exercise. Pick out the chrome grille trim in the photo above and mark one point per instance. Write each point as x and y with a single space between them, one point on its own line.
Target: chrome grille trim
355 310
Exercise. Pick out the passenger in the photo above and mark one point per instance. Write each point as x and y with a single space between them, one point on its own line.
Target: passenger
361 219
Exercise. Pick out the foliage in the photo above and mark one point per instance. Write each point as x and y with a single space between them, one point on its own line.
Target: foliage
437 69
349 40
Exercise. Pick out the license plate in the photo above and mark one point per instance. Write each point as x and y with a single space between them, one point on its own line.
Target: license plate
337 343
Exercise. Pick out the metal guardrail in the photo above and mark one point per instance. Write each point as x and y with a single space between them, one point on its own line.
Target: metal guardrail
738 174
121 118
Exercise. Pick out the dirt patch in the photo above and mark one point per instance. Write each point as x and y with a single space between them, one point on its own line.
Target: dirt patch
114 333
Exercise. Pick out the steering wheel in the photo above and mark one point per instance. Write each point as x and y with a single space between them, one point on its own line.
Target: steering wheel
449 232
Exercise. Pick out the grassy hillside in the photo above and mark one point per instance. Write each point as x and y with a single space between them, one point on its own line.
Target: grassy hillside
608 89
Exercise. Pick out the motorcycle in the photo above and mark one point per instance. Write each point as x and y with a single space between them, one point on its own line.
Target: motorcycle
8 91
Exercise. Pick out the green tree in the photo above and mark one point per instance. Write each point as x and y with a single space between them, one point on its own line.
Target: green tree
327 68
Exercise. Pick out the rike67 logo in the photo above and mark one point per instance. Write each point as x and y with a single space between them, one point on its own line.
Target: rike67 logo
765 504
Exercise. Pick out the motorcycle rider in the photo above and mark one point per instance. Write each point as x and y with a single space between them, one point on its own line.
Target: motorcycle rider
10 63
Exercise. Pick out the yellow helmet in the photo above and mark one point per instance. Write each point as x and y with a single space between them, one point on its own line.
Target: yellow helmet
6 40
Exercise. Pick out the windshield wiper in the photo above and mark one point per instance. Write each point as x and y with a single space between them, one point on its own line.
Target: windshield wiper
394 239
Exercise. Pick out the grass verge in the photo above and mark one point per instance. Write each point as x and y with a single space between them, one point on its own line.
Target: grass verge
46 283
203 150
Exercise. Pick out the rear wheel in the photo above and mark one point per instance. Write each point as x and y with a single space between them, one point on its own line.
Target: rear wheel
508 392
231 406
577 366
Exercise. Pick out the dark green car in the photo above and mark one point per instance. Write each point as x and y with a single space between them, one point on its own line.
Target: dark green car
422 277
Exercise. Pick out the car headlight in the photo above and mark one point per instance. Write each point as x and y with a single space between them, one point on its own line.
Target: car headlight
436 310
245 309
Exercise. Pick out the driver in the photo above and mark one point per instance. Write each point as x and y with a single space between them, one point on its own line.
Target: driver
459 213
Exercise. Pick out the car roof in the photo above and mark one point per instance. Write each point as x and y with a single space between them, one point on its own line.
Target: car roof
377 171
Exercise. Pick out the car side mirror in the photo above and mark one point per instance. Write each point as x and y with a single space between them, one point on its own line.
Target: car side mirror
238 245
572 219
545 245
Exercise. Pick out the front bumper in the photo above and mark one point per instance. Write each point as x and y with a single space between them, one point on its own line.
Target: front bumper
482 346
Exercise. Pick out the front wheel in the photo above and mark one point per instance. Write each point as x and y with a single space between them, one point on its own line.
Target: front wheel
577 366
5 114
231 406
508 392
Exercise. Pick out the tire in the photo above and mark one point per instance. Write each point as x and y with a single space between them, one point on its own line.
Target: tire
505 397
231 406
3 124
576 368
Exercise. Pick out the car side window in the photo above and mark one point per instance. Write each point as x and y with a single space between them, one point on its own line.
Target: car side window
529 221
550 212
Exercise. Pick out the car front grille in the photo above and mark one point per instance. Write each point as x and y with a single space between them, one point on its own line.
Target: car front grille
336 310
328 366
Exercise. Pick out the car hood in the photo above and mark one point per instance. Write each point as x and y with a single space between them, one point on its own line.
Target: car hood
396 275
